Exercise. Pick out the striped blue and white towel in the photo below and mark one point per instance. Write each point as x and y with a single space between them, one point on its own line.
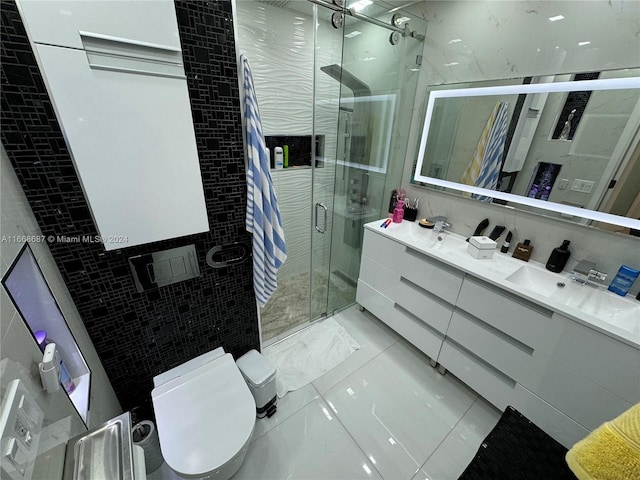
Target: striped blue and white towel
263 215
493 152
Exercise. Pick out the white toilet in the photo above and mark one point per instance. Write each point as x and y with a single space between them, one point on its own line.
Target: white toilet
205 415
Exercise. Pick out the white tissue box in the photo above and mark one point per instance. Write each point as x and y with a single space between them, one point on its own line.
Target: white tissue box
481 248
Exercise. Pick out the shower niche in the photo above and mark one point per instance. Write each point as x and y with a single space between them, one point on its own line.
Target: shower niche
29 291
542 181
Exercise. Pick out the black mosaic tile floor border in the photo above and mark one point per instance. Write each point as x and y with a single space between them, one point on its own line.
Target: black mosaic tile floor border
138 335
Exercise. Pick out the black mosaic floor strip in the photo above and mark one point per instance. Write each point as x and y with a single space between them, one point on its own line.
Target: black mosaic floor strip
516 449
138 335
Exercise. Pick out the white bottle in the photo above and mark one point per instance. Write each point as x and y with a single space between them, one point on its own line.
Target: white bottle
279 158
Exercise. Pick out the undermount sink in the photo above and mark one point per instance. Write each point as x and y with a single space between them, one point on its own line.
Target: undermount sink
442 241
607 306
537 280
593 301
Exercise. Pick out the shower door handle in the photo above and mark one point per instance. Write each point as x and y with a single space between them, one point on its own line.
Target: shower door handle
324 227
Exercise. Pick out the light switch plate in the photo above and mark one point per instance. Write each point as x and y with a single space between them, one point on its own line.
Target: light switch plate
20 423
582 186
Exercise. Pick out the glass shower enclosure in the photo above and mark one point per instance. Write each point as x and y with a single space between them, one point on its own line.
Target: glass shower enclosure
335 93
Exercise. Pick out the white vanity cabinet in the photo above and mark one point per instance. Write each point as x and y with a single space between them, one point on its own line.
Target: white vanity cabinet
508 350
115 76
566 377
409 291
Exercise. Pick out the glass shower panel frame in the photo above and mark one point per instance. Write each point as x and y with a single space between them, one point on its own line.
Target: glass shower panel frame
353 96
277 38
328 43
389 73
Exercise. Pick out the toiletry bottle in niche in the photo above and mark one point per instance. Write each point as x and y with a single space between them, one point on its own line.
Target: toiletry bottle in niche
65 377
558 258
398 213
623 280
278 157
523 251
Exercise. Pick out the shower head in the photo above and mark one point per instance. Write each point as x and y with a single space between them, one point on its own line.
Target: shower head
276 3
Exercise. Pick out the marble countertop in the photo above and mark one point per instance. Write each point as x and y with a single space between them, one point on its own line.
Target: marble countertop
595 307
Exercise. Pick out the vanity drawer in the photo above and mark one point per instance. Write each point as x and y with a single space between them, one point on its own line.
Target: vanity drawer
576 395
605 360
559 426
426 272
505 353
525 321
371 299
424 305
412 328
378 276
432 275
381 248
490 383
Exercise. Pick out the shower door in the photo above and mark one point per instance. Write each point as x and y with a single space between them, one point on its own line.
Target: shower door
365 83
286 43
327 52
339 116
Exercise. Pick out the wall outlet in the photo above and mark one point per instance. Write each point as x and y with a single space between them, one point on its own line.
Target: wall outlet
582 186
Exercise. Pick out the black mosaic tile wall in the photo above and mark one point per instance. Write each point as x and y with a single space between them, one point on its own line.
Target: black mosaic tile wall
138 335
575 101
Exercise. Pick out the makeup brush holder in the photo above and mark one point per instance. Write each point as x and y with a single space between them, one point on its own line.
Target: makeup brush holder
410 214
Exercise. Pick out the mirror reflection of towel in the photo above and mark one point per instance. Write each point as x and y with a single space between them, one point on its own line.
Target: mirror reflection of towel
484 169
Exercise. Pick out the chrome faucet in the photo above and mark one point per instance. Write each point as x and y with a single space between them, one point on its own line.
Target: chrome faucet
441 224
585 272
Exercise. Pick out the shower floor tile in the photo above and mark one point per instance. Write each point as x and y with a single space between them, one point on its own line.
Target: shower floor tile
289 305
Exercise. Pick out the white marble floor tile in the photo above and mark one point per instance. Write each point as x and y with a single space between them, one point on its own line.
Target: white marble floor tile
458 449
373 336
291 403
399 409
311 444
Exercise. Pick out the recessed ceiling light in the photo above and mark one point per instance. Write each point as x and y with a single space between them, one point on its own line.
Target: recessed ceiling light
556 18
368 59
414 69
355 33
583 43
451 64
455 40
361 4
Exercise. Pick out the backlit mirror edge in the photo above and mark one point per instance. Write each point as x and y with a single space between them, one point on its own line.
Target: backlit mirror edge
608 84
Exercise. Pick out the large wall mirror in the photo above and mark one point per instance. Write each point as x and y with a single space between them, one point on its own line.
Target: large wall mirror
563 145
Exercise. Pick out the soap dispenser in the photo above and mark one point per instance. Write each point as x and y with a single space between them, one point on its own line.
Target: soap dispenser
398 213
558 258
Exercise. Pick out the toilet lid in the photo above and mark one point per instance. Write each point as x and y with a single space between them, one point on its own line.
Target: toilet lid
205 417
